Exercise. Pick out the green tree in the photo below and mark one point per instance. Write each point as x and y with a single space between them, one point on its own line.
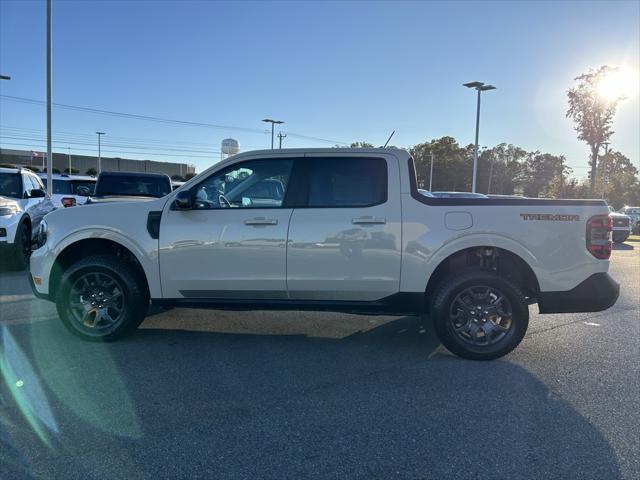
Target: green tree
177 178
592 113
361 145
74 171
451 164
500 169
544 175
617 179
91 171
189 175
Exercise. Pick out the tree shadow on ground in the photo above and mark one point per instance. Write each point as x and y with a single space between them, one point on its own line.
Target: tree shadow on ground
379 403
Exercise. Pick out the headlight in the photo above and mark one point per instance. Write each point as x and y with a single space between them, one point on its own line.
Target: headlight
8 209
41 235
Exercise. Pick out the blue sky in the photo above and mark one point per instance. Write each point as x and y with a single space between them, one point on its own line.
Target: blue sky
341 71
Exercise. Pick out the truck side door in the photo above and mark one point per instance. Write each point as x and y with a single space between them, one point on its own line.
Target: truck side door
232 243
345 245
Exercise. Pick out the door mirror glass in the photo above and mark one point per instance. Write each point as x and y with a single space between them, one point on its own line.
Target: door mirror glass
37 193
182 201
83 191
246 202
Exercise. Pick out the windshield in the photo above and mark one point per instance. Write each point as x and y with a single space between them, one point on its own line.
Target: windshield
75 184
10 185
133 186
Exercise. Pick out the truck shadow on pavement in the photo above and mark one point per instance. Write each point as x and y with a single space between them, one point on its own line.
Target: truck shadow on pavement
622 246
383 402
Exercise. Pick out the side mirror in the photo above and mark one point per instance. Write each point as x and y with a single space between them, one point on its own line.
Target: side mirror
246 202
182 201
83 191
37 193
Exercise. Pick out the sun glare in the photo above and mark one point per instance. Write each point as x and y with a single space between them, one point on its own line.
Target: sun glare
621 83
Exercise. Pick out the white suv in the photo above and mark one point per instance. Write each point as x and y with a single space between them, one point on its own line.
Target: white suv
23 204
70 190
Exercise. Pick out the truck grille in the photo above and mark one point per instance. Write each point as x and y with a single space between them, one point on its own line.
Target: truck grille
620 222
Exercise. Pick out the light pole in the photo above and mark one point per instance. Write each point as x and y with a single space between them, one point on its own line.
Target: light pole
272 122
431 172
99 152
49 154
5 77
69 150
480 87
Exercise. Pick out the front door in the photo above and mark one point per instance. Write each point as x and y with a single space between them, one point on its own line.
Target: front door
232 243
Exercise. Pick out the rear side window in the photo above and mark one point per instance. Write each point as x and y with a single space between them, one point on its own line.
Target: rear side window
347 182
61 187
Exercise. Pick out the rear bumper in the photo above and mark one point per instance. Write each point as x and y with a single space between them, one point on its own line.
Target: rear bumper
596 293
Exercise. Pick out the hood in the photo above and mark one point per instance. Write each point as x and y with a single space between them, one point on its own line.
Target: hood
118 198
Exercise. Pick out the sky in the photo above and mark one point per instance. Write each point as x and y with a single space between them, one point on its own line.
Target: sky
334 71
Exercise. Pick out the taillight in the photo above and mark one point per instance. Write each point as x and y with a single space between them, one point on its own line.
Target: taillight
599 229
68 202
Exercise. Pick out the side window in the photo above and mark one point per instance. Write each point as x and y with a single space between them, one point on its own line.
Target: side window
347 182
37 183
27 186
251 184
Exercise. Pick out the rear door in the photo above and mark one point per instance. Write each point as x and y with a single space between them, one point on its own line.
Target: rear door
345 244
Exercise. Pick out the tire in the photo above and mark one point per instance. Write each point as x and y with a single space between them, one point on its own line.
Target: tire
19 258
122 295
499 320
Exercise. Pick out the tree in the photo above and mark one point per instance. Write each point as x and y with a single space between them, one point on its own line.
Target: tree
451 164
617 179
74 171
500 169
361 145
592 113
177 178
189 175
544 175
91 171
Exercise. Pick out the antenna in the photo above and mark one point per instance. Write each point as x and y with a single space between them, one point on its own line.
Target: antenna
388 139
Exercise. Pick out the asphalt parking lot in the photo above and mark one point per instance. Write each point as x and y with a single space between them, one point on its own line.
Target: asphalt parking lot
207 394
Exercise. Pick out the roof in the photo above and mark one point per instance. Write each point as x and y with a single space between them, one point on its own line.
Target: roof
16 170
64 176
134 174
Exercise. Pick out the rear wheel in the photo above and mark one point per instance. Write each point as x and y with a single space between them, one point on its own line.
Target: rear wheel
479 315
101 298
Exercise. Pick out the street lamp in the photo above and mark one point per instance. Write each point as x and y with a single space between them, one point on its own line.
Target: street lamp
480 87
99 152
272 122
5 77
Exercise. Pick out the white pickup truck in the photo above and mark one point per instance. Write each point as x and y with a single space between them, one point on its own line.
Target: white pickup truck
328 229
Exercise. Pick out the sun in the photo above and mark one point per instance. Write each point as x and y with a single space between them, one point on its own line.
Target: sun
618 84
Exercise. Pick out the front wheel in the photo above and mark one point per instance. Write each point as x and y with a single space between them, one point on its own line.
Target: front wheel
19 259
479 315
101 298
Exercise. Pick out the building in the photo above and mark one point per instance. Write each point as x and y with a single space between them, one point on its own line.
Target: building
83 163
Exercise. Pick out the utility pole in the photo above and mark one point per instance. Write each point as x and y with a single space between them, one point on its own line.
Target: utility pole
99 152
272 122
605 166
69 159
431 172
480 87
49 154
280 137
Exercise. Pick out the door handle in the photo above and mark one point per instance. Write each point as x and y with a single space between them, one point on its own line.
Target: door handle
368 221
261 221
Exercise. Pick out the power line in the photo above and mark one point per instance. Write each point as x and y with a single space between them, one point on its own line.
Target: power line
159 119
118 151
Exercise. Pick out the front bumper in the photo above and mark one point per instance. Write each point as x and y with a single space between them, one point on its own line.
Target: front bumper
42 296
596 293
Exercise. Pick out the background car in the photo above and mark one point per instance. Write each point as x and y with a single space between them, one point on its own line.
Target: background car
70 190
634 214
127 186
23 205
621 225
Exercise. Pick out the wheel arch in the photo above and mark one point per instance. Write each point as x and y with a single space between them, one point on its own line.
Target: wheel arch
78 248
504 261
